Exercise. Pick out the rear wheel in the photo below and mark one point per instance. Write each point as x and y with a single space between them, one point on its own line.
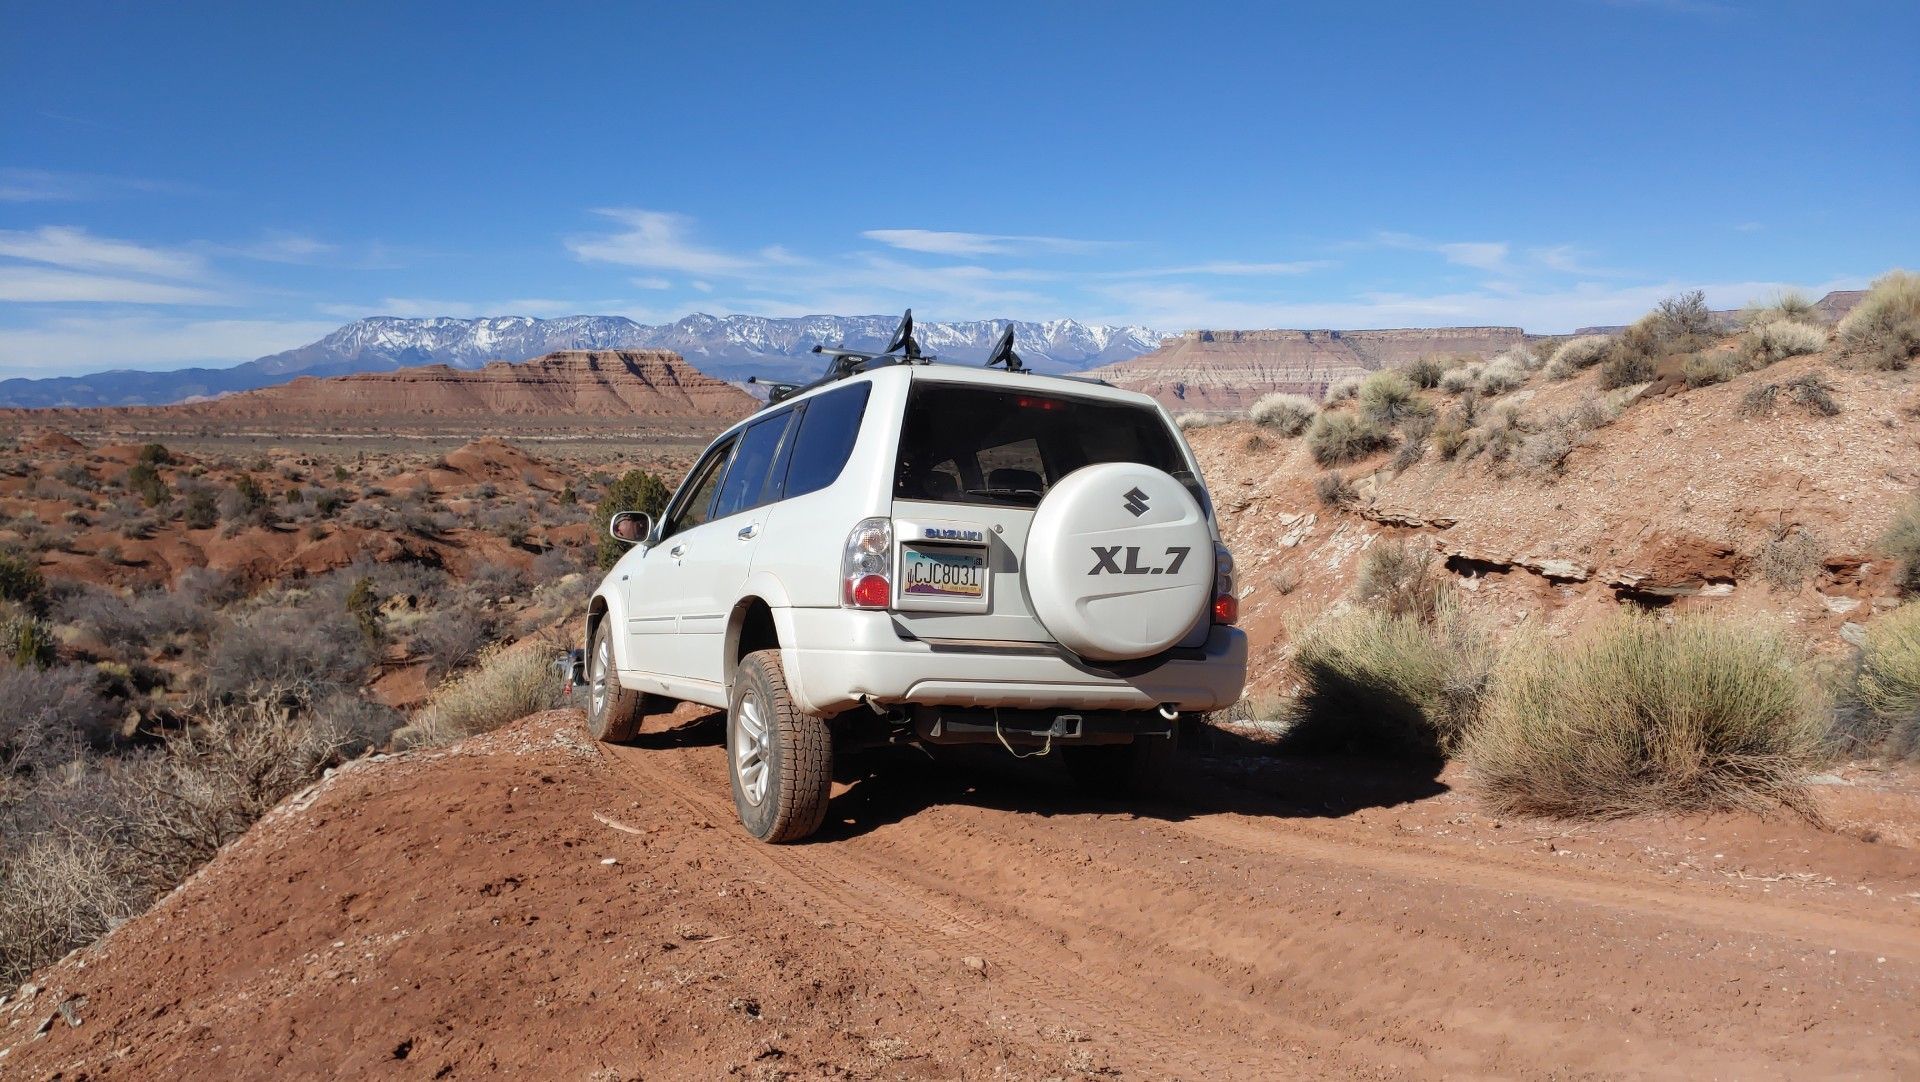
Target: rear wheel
779 756
613 712
1145 767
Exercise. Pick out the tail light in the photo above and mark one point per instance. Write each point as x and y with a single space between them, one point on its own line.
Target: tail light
1226 604
866 566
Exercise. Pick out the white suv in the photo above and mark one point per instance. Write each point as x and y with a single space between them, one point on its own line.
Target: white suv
916 552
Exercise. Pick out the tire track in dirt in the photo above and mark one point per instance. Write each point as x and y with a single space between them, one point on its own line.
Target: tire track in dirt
1027 961
1620 971
1465 868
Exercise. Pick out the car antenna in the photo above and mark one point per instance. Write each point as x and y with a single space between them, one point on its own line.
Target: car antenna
1002 352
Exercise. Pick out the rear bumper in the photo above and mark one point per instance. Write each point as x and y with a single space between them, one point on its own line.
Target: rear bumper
837 658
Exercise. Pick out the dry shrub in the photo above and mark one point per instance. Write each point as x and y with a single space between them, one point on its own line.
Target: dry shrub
1884 328
1332 488
1887 683
1812 391
49 713
134 625
506 685
1195 420
1682 319
1460 380
1788 560
451 637
1426 372
217 777
1546 451
1389 398
1337 438
56 894
1639 717
1375 683
1677 325
1767 342
1450 434
1707 369
1577 354
1413 448
1504 373
311 650
1402 580
94 842
1287 414
1790 305
1499 436
1342 389
1625 367
1902 542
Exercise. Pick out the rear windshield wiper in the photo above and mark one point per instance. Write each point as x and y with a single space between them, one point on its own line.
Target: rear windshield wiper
1005 493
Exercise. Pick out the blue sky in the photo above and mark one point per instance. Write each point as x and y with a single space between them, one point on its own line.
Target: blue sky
187 184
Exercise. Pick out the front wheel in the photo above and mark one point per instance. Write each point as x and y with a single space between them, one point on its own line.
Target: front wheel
779 756
613 712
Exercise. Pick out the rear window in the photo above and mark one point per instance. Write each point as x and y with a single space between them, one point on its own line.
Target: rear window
967 444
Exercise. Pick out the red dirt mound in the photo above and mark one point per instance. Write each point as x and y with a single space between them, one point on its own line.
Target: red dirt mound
488 460
47 441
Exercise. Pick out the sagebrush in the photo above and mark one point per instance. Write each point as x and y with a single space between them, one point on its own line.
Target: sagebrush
1638 716
1884 328
1287 414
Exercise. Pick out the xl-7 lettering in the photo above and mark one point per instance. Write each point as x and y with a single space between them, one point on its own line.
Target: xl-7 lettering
1107 560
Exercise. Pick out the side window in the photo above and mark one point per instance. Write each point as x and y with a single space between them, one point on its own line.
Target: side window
699 491
747 476
827 431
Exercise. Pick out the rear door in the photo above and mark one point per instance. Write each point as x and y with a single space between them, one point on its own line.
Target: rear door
973 462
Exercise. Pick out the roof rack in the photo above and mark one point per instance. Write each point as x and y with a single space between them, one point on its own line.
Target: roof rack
903 348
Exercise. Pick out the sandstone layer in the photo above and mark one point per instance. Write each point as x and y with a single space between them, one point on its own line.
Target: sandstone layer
1230 370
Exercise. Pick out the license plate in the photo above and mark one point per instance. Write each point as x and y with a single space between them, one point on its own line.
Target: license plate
946 573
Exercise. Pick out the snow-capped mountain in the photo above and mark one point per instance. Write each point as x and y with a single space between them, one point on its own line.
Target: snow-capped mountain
727 347
733 347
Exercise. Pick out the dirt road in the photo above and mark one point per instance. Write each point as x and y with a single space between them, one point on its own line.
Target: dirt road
531 903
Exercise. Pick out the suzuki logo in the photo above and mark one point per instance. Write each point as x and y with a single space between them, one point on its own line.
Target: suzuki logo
1136 502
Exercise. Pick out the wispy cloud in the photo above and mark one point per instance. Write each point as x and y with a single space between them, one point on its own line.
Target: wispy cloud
1677 7
1551 310
657 240
48 186
76 249
1482 255
52 285
276 246
940 242
65 346
421 308
1227 269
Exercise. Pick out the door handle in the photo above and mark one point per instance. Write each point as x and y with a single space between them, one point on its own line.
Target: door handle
748 531
677 551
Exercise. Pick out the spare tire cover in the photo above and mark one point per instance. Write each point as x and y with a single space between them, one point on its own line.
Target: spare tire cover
1119 561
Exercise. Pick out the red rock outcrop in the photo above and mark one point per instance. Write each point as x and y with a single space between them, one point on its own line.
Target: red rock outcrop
580 383
656 388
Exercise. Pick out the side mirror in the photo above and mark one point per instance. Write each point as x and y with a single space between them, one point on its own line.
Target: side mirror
633 527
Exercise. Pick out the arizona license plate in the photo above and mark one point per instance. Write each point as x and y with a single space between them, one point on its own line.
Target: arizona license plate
946 573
